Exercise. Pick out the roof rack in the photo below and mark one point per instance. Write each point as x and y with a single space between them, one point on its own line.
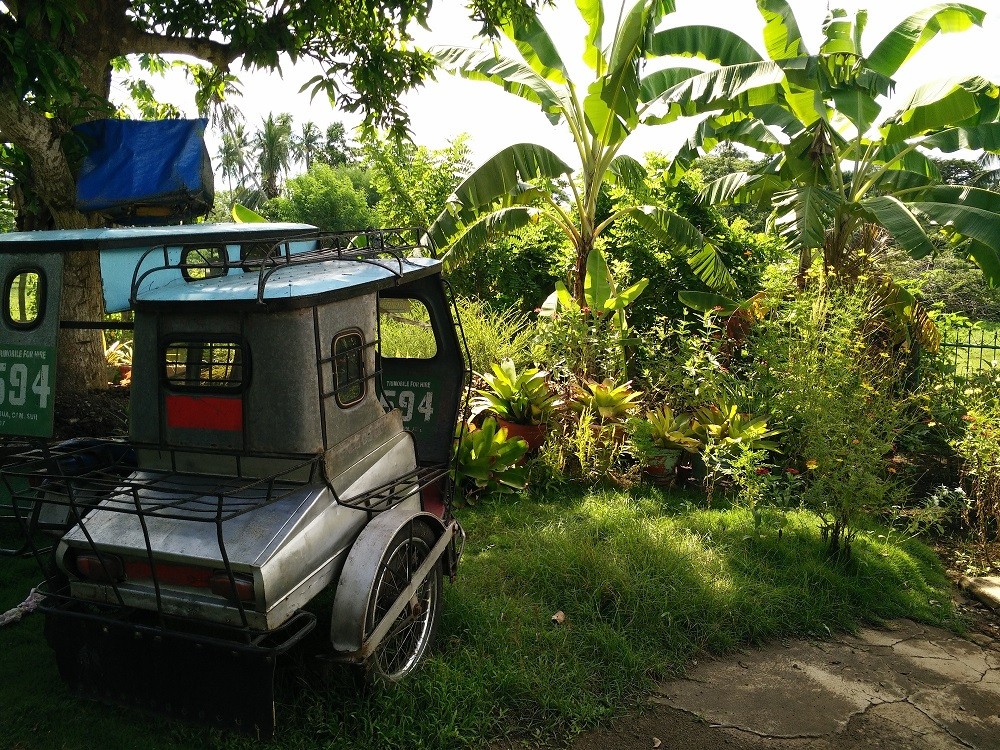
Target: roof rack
385 248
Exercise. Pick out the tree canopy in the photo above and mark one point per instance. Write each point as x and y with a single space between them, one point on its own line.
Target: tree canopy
56 63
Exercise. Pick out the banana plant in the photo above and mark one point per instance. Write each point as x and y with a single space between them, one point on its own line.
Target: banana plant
843 163
521 183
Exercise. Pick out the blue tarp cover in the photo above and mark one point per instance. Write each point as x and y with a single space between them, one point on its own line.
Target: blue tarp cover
145 172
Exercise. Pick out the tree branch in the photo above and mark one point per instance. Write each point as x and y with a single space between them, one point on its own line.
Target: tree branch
218 54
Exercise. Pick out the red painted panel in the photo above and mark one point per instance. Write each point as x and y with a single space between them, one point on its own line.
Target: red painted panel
223 413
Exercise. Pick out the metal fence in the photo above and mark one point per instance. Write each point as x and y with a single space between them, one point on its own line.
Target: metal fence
971 350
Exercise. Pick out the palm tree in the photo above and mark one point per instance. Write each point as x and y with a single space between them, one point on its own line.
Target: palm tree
306 145
521 183
233 155
273 144
838 172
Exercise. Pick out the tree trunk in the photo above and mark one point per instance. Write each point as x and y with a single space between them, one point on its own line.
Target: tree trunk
82 365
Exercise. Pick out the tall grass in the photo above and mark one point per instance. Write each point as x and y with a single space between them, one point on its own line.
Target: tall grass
646 581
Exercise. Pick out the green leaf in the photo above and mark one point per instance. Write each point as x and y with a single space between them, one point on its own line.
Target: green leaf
984 137
598 285
839 35
513 76
858 106
623 299
507 173
988 259
897 220
593 13
475 235
743 86
626 172
972 212
943 104
567 300
709 266
669 226
706 42
803 214
781 31
904 41
535 46
708 302
243 215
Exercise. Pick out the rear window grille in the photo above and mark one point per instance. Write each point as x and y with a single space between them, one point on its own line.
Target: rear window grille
197 365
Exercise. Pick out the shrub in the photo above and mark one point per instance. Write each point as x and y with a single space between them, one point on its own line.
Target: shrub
979 450
839 395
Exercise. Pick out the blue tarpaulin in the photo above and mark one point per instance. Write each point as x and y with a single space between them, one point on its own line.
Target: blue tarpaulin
145 172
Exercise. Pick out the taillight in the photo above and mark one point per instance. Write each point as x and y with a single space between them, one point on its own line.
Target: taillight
240 588
100 568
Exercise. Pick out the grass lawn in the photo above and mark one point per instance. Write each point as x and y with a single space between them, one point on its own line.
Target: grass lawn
646 581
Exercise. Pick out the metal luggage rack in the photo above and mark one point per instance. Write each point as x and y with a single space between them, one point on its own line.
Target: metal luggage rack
59 477
384 248
161 493
381 247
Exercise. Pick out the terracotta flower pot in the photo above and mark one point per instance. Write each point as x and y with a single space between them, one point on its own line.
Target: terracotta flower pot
533 434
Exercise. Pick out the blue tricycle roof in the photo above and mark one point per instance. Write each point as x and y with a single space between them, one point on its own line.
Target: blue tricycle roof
236 264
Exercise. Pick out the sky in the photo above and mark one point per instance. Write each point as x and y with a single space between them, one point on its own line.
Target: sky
449 106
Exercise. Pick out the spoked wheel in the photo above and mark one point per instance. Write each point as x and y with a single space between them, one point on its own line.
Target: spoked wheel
411 634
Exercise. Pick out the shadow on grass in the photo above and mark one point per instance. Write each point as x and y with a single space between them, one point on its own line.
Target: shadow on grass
644 583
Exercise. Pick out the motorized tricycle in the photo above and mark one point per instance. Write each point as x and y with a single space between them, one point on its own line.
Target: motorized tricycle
292 411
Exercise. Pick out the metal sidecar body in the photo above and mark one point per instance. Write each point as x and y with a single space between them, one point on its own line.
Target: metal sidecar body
292 409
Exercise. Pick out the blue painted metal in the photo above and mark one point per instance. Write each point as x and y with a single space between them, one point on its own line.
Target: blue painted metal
122 249
310 280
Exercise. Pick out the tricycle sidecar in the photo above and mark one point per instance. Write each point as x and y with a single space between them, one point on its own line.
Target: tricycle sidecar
279 446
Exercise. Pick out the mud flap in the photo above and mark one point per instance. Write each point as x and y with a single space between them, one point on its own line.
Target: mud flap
207 682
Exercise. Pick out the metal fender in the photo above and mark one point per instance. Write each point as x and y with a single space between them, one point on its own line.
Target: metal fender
357 578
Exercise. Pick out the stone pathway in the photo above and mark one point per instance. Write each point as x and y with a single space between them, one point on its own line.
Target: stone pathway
906 686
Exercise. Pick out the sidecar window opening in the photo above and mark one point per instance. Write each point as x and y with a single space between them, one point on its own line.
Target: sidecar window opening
24 298
405 329
204 365
207 262
350 383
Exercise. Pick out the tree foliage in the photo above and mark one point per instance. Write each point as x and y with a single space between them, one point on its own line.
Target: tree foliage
839 173
324 197
519 185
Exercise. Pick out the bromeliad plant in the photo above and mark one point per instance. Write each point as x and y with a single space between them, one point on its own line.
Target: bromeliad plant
609 404
519 397
660 438
489 460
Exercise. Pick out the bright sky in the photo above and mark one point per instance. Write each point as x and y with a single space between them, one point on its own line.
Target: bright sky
444 108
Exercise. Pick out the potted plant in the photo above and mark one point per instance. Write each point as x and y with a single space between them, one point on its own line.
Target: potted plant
489 459
119 356
521 401
610 404
659 440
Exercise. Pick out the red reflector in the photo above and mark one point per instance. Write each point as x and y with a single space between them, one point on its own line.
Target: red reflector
223 413
222 586
100 569
168 574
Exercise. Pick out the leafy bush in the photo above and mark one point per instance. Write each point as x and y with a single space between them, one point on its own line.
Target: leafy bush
839 395
324 197
979 449
514 271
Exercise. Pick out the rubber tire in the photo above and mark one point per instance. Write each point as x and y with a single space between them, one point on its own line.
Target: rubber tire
400 653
